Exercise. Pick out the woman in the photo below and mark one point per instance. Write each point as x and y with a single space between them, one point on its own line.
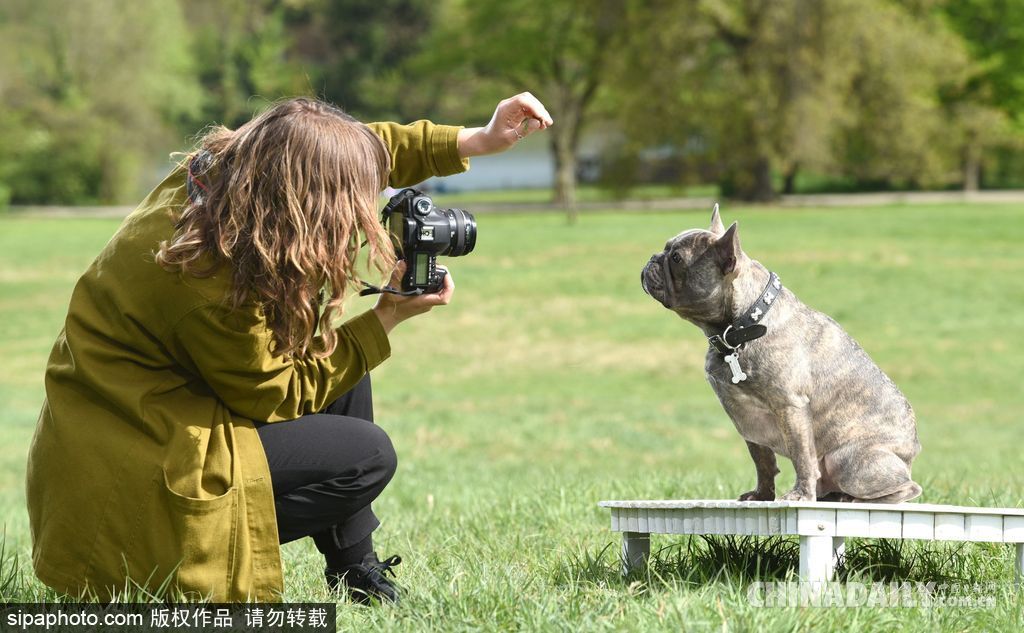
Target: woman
201 404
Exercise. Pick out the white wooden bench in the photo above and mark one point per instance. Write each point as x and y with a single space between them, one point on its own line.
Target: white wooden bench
821 526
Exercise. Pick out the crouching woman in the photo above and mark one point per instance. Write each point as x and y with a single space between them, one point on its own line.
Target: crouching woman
202 407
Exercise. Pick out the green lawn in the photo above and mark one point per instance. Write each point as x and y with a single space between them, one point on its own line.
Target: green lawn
553 382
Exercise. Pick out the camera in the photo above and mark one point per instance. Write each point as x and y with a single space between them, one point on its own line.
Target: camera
421 232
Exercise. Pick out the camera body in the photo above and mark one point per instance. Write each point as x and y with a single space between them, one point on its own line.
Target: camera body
421 232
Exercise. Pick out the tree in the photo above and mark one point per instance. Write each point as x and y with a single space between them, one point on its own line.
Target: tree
788 65
87 89
773 87
903 136
762 83
562 51
990 102
245 56
360 52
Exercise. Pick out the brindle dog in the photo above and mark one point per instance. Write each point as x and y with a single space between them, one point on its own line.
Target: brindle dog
810 393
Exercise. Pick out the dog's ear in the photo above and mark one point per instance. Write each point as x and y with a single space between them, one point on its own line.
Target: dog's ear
716 222
727 250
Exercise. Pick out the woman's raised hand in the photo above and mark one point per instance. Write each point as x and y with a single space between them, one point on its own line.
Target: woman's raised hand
392 309
514 119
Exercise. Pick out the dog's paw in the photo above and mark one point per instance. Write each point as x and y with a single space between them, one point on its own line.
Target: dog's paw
797 495
758 495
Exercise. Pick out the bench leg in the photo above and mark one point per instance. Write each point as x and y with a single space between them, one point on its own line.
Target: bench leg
636 547
838 551
1018 568
817 558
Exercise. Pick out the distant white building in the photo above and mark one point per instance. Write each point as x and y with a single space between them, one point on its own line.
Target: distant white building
527 166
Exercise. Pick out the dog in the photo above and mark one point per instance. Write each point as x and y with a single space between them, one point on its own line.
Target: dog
791 379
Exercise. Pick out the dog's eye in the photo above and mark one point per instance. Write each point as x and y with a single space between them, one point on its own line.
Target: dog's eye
677 258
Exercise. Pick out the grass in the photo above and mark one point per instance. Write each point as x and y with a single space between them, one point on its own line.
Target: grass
552 382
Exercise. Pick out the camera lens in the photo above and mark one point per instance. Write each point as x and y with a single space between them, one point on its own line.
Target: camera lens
463 230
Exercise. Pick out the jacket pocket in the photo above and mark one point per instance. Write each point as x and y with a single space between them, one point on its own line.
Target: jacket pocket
204 533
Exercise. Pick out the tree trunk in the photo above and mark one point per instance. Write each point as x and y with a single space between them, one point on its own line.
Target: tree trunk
789 184
563 150
972 166
754 182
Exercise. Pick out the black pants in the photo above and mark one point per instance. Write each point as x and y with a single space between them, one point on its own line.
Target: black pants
326 468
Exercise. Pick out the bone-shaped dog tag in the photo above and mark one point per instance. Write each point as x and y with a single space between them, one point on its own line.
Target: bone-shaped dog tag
734 364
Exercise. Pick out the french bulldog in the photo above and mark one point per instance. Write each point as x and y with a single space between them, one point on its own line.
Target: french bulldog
791 379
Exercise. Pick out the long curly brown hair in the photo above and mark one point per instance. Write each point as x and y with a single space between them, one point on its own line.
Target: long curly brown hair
286 203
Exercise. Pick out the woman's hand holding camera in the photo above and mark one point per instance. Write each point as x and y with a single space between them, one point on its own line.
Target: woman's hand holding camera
514 119
392 309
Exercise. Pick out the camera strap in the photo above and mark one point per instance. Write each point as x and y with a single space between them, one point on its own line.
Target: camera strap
370 289
197 168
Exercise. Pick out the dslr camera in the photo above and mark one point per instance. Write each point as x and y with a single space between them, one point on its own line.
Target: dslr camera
421 232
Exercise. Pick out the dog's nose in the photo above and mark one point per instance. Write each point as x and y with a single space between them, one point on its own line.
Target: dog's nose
643 275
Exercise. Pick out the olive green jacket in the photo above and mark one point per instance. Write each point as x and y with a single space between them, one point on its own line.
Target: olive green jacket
145 465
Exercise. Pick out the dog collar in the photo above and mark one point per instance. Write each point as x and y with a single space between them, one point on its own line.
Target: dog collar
747 326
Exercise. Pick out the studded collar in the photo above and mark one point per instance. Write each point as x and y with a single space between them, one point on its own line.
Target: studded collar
747 326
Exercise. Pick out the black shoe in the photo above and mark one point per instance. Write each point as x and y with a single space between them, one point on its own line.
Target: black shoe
366 581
